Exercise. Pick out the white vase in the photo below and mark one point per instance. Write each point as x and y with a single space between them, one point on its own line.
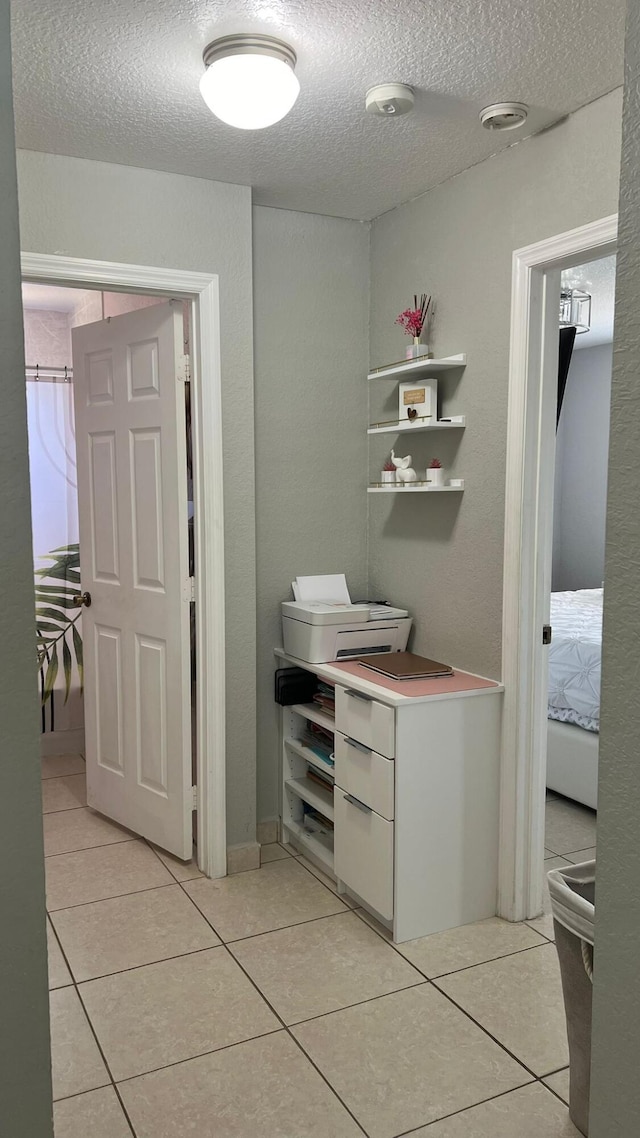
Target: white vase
388 476
416 350
435 475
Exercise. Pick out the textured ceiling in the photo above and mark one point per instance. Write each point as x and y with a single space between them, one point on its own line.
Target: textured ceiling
117 80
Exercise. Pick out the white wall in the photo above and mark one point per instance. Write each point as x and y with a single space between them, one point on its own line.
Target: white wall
582 452
121 213
311 312
25 1064
442 555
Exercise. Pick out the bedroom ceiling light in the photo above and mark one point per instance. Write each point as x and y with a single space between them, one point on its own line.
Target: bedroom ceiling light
575 304
504 116
250 81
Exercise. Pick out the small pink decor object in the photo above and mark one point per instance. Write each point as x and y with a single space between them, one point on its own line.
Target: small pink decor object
413 320
388 472
435 473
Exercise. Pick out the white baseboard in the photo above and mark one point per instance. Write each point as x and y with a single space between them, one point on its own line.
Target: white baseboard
243 857
62 742
268 832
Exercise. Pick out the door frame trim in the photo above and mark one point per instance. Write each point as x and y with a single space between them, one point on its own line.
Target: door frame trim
202 290
528 527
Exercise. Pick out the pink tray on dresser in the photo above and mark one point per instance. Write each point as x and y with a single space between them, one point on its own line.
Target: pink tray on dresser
442 685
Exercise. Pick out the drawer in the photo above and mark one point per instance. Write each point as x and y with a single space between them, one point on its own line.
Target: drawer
363 852
365 774
363 718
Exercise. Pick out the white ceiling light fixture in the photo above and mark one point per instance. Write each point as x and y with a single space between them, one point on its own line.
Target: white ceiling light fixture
504 116
389 99
250 81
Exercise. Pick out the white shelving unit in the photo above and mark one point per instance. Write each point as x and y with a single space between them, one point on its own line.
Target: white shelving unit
298 788
397 428
420 366
309 756
313 794
315 714
409 489
319 846
407 369
398 800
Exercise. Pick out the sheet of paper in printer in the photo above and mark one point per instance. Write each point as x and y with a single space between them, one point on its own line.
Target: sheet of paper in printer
330 588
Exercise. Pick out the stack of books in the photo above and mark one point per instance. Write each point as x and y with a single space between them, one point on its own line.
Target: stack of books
319 741
325 697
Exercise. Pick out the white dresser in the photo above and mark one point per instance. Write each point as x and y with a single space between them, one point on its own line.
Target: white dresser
415 805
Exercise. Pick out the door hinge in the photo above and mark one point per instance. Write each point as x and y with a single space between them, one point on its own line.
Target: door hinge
183 371
546 633
194 798
189 589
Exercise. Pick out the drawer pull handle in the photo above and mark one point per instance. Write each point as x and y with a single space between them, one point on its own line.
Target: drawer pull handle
358 804
358 746
359 695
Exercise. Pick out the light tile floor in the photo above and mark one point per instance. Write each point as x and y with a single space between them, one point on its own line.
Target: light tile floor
265 1004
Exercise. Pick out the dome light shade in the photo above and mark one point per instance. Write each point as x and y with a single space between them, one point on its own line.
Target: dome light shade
249 80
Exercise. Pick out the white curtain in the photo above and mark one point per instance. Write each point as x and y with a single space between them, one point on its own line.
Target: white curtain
54 509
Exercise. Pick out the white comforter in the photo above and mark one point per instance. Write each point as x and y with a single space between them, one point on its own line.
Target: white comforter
575 658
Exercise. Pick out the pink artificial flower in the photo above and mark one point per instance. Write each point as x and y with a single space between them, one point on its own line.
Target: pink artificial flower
413 319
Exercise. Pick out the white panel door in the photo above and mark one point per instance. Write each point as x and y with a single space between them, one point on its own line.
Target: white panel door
132 499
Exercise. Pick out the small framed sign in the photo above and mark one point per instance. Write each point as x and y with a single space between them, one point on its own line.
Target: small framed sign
418 401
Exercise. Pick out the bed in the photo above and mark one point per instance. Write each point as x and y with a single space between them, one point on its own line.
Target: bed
574 695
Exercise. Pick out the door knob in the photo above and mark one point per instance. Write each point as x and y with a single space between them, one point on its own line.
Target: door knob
82 599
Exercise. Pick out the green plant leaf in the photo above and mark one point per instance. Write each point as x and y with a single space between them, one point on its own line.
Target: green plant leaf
78 649
49 595
69 549
53 614
60 572
48 626
52 672
67 664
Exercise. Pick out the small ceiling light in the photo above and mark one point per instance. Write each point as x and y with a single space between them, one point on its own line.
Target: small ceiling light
389 99
504 116
250 81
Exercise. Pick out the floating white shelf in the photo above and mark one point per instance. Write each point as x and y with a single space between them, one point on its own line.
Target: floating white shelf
411 489
315 714
320 845
310 756
313 794
457 423
420 366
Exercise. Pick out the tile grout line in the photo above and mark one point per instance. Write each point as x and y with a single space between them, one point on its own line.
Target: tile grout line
82 849
278 1017
286 1027
464 1109
486 1031
491 960
97 1041
113 897
65 809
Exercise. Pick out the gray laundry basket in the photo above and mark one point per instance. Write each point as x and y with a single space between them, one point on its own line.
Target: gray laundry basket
572 891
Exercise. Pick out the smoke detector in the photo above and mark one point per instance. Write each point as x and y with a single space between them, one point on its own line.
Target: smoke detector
504 116
389 99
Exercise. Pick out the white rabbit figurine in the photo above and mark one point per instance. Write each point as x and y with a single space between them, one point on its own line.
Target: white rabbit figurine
404 469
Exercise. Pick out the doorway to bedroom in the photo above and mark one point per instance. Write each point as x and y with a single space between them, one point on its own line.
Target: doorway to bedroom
577 565
558 430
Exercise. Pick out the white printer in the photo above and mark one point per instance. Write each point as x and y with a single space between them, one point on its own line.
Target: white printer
322 624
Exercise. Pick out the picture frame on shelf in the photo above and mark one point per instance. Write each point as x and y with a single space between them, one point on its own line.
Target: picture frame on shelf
418 400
